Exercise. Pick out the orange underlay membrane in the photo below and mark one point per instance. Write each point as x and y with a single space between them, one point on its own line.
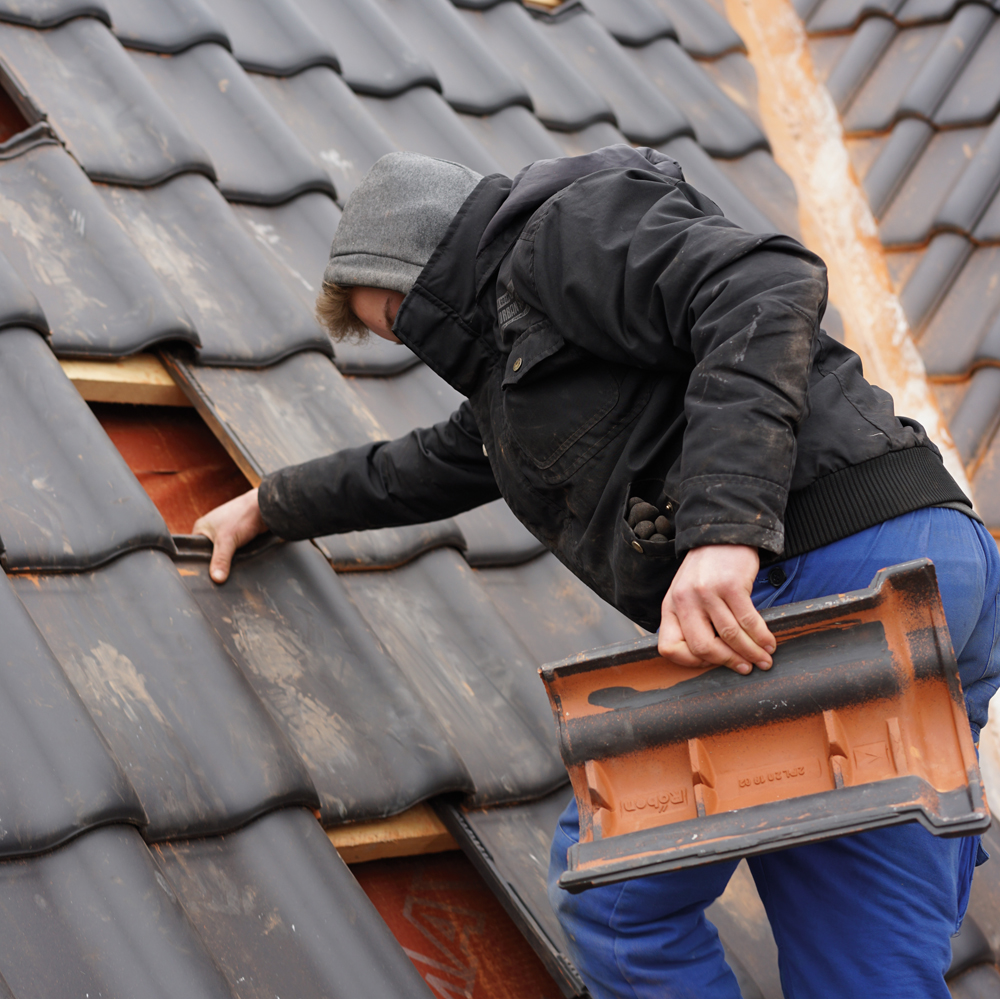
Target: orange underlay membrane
860 723
176 459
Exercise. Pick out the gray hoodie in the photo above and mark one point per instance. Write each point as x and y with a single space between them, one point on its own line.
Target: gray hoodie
394 219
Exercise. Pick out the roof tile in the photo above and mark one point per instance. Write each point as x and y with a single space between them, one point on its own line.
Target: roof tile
256 155
294 411
273 36
964 330
421 121
975 420
842 15
916 11
18 306
971 195
703 31
69 499
563 99
930 279
165 25
643 113
877 100
330 121
114 123
197 744
974 97
988 229
370 743
245 313
767 187
858 60
472 79
375 58
936 181
586 140
633 22
514 137
721 127
734 75
944 64
986 484
895 160
439 625
282 915
57 777
98 918
49 13
495 537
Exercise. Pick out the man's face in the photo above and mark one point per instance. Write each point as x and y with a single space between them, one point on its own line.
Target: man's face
377 308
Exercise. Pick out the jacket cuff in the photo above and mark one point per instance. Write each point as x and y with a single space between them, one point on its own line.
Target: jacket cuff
274 507
731 510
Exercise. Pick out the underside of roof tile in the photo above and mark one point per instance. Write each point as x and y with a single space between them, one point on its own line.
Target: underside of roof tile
69 500
202 753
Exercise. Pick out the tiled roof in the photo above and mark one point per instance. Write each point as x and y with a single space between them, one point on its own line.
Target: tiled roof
918 90
171 174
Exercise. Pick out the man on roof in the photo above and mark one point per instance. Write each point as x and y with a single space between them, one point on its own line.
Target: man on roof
648 387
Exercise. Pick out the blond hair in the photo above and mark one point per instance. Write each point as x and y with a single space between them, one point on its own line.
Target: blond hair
333 310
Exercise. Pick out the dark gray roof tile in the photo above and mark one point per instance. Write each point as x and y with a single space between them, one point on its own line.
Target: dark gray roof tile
933 275
495 537
586 140
375 57
934 183
703 31
373 356
48 13
422 122
721 127
563 99
964 330
98 918
509 847
876 102
988 229
273 36
827 50
18 306
300 409
57 777
633 22
975 420
975 96
370 743
113 122
69 499
514 137
330 121
165 25
283 916
256 155
197 744
971 194
986 489
702 172
804 8
643 113
979 980
734 75
439 625
944 64
472 79
856 62
917 11
767 187
842 15
244 312
896 159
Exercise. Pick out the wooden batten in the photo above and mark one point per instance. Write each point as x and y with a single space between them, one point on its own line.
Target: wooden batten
416 831
141 379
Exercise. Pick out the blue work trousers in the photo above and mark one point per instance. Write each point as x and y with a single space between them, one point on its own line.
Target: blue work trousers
866 915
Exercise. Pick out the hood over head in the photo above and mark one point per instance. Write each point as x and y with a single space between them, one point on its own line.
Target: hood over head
394 219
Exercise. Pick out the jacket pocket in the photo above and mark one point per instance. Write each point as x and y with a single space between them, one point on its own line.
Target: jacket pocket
554 398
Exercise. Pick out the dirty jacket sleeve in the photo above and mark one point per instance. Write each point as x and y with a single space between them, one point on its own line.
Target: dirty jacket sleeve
659 278
427 475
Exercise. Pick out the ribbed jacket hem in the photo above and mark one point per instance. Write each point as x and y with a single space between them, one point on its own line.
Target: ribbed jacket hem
861 496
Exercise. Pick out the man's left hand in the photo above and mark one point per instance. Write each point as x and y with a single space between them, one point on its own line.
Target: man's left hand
708 618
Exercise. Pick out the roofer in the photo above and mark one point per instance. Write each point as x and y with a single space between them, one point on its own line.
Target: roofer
617 339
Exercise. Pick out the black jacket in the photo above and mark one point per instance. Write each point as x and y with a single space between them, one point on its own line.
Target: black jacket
615 335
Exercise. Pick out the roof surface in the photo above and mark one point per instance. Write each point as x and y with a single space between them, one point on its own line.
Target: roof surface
171 174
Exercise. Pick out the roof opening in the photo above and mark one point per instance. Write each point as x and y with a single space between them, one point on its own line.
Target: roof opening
11 119
175 457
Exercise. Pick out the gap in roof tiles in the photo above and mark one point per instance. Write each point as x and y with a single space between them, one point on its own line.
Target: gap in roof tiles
808 142
185 471
11 119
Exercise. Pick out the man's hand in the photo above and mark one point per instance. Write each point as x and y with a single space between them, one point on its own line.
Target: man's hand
229 527
708 617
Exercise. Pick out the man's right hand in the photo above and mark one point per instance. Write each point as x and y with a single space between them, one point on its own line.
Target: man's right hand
229 527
